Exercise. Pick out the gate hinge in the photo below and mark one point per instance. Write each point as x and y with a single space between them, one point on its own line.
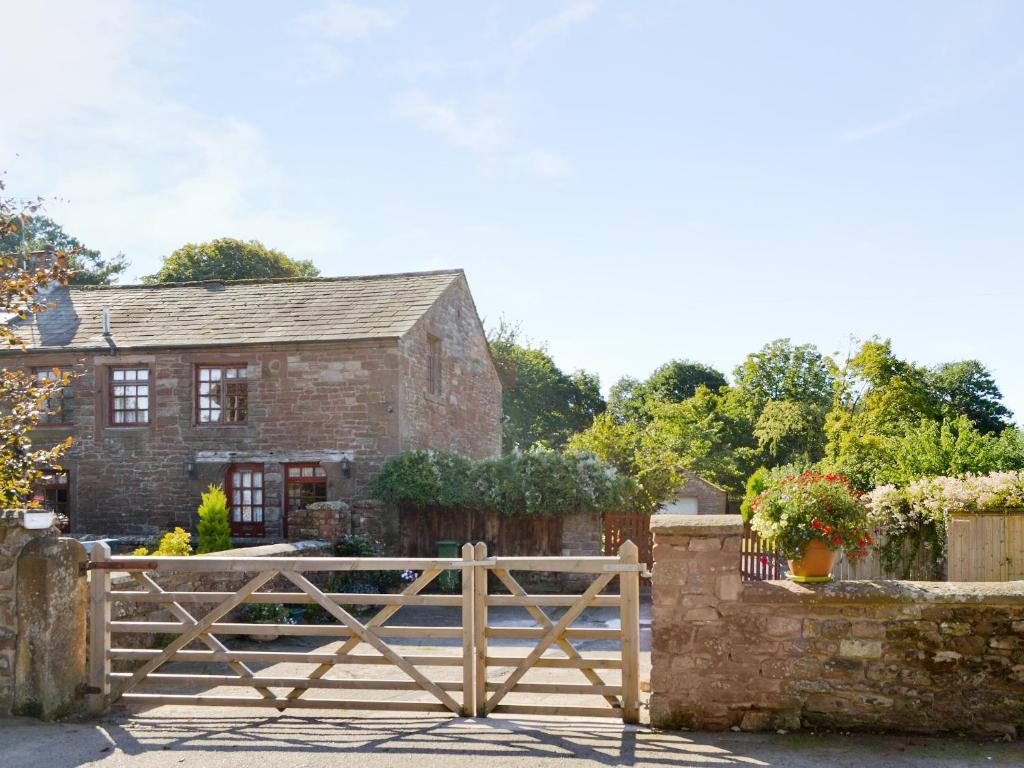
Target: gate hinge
84 689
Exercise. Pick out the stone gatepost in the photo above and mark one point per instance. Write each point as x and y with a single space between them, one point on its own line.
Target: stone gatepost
696 579
42 619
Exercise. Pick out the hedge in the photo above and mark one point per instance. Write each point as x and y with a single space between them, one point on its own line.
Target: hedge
539 482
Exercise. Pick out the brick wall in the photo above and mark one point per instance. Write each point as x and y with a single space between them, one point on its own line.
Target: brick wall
900 656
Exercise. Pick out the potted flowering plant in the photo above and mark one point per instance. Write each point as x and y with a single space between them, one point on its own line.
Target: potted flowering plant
809 518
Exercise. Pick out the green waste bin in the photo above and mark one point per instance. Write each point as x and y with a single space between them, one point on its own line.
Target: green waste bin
449 580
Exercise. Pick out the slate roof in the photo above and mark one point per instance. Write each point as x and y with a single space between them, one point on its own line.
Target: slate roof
236 312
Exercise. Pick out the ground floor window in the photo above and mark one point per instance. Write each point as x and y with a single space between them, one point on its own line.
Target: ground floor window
52 492
304 484
244 488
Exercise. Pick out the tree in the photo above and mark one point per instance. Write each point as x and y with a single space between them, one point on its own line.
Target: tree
967 388
229 259
619 445
35 232
213 528
781 371
709 433
787 392
673 382
878 397
542 405
24 399
678 380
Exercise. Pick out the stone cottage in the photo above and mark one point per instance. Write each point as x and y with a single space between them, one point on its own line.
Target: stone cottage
287 392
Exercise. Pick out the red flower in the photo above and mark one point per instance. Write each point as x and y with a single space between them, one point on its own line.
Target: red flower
816 523
828 529
836 541
764 560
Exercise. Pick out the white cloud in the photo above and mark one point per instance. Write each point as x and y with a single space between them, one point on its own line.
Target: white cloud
127 167
338 20
550 165
481 132
570 16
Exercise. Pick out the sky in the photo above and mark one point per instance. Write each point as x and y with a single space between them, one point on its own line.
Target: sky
630 182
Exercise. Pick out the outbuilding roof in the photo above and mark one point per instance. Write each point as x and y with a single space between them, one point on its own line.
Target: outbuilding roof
235 312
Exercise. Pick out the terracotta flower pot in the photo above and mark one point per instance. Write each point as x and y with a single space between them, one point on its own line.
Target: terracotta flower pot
816 563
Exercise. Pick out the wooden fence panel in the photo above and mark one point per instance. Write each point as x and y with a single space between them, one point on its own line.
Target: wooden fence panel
986 547
504 534
618 529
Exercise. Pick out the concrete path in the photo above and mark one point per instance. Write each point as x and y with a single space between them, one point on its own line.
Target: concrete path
175 736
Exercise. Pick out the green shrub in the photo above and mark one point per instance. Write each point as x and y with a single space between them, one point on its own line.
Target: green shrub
539 482
176 543
214 528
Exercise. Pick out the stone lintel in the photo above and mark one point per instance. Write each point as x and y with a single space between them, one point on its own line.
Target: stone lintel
696 525
272 457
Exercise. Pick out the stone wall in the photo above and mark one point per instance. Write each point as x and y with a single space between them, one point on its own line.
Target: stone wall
898 656
328 520
465 417
42 620
581 535
12 539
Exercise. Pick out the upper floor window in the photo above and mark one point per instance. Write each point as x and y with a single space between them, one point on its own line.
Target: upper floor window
58 410
433 365
222 394
129 396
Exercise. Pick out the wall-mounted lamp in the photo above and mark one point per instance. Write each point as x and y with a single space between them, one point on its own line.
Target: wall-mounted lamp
190 468
346 467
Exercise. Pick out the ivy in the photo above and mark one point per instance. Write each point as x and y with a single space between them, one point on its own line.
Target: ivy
539 482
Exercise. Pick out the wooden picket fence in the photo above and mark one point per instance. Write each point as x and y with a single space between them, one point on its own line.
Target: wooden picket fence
478 692
759 561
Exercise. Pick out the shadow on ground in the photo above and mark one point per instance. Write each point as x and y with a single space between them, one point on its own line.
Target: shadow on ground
176 737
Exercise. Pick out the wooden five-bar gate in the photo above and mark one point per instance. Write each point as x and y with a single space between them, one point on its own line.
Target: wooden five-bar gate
483 680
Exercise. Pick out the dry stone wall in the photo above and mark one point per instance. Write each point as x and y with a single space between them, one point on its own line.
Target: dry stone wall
875 655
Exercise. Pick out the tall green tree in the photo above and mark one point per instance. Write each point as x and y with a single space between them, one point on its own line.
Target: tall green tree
787 391
673 382
878 398
967 388
88 267
709 433
229 259
541 403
